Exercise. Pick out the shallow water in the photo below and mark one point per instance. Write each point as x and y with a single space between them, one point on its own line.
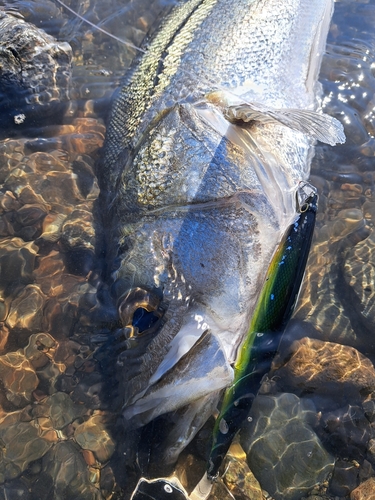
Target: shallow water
59 435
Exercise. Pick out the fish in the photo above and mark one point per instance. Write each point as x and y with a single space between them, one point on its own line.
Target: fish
207 141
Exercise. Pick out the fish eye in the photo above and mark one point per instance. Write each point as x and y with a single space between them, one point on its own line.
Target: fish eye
140 311
143 319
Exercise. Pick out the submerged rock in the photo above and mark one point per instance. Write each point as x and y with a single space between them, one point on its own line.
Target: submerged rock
326 370
346 432
92 435
238 478
283 451
69 474
365 491
17 261
359 272
35 72
18 378
26 310
22 442
60 409
344 478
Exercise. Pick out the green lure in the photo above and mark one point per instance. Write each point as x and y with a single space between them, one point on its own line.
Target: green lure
273 310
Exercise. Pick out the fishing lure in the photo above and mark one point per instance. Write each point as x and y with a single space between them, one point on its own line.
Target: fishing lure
271 315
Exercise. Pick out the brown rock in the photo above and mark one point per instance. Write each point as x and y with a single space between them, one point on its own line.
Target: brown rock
89 457
8 202
4 334
22 443
18 377
325 367
238 478
17 261
26 311
28 196
92 435
365 491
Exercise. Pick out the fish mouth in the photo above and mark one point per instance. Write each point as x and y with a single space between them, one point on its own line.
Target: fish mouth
199 372
176 354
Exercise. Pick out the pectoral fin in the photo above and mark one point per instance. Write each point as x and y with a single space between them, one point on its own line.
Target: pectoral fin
322 127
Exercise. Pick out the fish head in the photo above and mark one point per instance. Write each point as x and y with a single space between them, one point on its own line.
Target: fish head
189 263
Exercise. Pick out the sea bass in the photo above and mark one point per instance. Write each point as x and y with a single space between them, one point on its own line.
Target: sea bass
206 144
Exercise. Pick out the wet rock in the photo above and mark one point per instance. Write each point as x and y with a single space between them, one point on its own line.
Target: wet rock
41 162
8 202
85 174
26 310
17 261
238 478
189 469
51 228
28 221
326 370
31 214
93 435
58 186
4 334
107 480
40 350
42 488
15 490
371 451
6 225
283 451
369 409
78 241
38 90
344 478
359 275
22 442
18 378
27 196
69 473
60 409
365 491
346 432
365 471
220 492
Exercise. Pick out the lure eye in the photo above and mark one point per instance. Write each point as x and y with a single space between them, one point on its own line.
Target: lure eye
140 310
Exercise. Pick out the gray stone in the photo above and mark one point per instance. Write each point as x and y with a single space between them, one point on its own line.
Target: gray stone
283 451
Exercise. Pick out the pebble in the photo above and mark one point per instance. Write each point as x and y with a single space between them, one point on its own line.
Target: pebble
365 491
238 478
26 310
18 378
344 478
93 435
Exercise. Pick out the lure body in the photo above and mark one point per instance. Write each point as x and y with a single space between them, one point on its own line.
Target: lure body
271 315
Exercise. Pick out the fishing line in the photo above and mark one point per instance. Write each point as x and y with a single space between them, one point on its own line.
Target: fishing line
212 84
128 44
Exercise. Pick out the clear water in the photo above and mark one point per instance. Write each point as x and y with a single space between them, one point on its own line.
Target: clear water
59 434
